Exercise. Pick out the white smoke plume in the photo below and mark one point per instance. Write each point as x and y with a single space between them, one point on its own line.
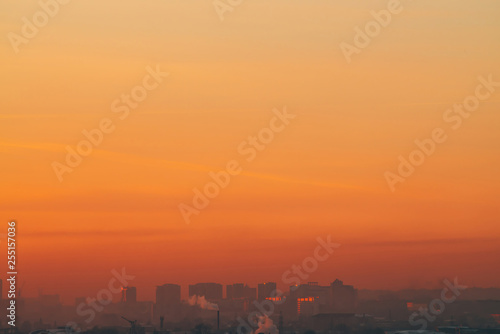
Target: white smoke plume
266 326
202 303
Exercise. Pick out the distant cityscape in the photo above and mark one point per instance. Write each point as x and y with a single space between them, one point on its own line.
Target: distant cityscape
239 308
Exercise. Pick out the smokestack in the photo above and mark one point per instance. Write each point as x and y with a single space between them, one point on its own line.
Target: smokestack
217 319
161 322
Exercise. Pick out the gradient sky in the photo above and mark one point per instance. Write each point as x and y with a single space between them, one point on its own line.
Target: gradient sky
323 175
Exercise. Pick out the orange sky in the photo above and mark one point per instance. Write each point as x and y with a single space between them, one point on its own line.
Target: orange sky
322 175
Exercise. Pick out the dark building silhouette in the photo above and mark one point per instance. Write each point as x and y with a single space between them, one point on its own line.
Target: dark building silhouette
240 291
312 298
265 290
211 291
309 298
131 295
344 297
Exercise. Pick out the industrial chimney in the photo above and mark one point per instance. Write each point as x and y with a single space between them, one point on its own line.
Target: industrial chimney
218 320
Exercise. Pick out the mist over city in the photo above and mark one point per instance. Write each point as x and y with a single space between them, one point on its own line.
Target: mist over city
249 167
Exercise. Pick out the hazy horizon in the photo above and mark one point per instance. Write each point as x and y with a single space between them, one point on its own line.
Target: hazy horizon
322 174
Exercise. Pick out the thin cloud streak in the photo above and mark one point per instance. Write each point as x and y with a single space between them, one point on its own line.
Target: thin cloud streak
176 165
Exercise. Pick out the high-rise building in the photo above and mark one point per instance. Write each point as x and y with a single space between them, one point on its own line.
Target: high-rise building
266 290
240 291
211 291
131 295
230 293
309 298
344 298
